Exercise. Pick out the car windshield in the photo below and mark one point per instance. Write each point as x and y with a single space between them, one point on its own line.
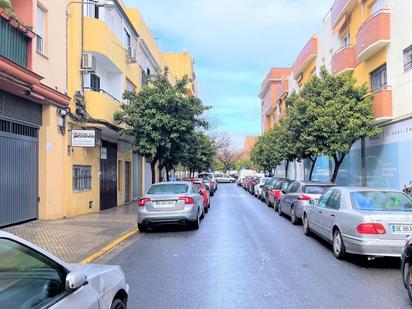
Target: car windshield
284 185
197 186
381 200
315 189
168 189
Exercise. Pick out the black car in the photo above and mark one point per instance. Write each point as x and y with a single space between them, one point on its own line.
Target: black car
406 269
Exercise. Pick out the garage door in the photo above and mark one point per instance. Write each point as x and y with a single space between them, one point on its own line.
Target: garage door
18 172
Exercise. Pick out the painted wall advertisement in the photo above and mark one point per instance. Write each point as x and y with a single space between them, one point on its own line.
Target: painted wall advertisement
388 160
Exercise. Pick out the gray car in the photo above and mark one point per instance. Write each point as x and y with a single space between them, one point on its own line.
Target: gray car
170 202
297 197
31 277
363 221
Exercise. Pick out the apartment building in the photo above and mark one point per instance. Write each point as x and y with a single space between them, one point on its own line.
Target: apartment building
373 40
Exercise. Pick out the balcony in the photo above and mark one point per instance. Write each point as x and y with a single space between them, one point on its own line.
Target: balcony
282 90
343 60
101 105
373 35
16 39
382 104
100 39
340 8
306 56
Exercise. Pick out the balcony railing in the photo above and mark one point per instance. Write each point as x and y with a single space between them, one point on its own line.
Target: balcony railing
305 57
339 8
373 35
382 103
13 43
343 59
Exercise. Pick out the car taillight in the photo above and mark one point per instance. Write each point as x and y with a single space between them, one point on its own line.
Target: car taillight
304 197
187 199
371 228
142 201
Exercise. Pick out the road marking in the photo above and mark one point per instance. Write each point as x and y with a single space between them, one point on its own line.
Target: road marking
110 246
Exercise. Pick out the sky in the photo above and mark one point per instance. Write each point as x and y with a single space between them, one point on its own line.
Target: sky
234 44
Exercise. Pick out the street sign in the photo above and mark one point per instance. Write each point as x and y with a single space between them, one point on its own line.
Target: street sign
83 138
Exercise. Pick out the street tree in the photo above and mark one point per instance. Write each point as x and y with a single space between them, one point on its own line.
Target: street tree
340 114
226 153
161 118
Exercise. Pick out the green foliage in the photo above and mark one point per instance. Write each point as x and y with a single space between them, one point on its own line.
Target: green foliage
7 6
245 163
326 118
199 154
162 120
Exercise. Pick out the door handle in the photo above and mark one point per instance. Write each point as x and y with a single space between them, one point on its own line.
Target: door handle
320 211
332 215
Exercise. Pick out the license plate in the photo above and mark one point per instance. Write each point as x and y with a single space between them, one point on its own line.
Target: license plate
401 228
164 204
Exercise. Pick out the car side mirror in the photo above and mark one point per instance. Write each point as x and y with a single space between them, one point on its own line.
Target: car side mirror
75 280
283 191
312 202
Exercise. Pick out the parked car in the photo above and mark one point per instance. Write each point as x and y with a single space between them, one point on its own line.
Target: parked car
170 202
245 180
242 174
406 269
33 278
201 187
257 190
364 221
297 196
250 183
222 178
276 192
269 186
212 182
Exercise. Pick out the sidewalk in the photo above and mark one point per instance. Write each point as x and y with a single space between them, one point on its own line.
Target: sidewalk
74 239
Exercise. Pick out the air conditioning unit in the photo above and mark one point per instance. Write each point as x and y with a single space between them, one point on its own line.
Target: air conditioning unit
132 54
88 62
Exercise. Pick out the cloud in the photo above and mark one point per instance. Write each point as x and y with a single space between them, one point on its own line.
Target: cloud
234 44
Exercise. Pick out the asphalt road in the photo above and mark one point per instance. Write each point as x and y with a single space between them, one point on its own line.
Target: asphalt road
245 256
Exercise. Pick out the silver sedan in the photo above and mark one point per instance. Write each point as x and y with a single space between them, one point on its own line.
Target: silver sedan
363 221
33 278
297 196
170 202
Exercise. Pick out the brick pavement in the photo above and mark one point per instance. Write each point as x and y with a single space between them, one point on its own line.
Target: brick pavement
73 239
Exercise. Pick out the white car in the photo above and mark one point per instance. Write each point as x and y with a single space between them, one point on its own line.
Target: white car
33 278
257 190
224 178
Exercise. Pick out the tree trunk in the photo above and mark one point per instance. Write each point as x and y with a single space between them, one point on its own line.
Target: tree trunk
153 169
338 162
160 173
286 169
312 167
167 174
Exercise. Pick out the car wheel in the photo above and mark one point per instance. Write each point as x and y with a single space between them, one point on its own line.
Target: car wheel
280 210
408 281
206 209
306 229
293 218
212 193
196 223
118 304
276 206
208 205
203 214
338 245
142 228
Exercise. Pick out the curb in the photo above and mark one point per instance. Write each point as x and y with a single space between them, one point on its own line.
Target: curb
110 246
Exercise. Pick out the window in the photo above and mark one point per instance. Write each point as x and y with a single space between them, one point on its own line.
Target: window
94 82
378 78
407 58
91 10
82 178
381 201
164 189
145 78
126 39
345 41
293 187
40 23
324 198
315 189
378 5
28 279
130 87
334 201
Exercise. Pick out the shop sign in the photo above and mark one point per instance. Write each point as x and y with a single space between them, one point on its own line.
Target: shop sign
103 153
83 138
